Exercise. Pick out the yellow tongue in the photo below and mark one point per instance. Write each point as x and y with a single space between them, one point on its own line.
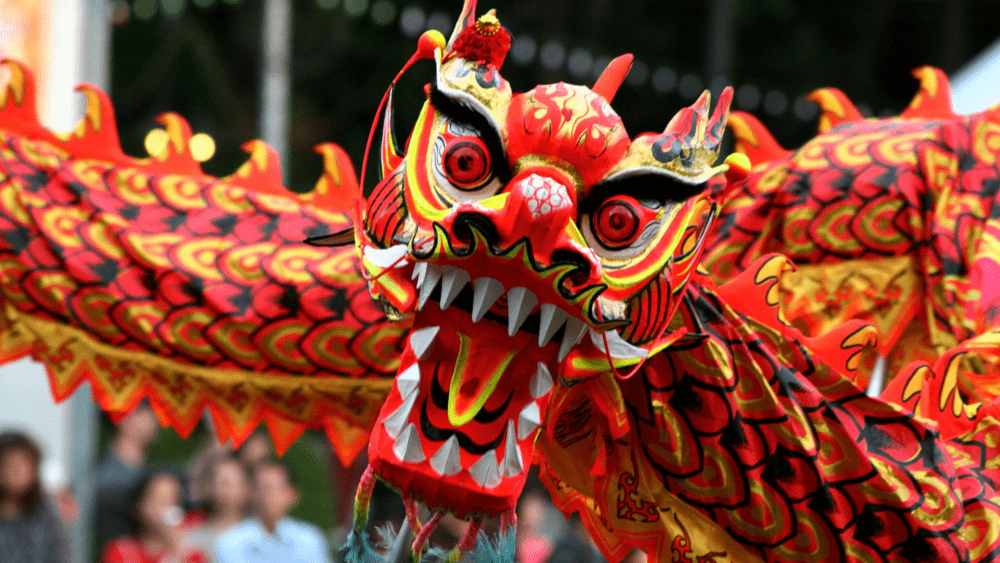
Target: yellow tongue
469 391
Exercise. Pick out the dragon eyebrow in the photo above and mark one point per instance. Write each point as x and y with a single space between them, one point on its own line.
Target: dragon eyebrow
453 109
650 186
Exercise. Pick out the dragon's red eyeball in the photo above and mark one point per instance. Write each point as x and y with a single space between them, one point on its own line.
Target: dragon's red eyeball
616 222
467 163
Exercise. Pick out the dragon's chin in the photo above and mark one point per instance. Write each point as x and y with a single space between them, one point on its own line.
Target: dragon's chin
458 430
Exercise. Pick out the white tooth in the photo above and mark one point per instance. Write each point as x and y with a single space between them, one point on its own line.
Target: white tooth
541 381
485 472
574 331
447 460
395 422
551 319
452 281
407 447
485 293
430 280
520 302
387 257
513 462
619 348
528 420
408 381
422 339
419 269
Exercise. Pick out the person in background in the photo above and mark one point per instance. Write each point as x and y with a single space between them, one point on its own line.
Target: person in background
121 469
227 501
533 546
271 535
198 471
157 534
575 545
255 449
31 530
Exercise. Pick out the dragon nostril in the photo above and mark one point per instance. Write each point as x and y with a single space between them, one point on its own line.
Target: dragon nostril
581 274
465 222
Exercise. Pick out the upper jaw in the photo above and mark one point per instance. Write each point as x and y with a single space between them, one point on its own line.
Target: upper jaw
518 294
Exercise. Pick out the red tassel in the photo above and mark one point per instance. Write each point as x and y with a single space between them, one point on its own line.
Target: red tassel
486 41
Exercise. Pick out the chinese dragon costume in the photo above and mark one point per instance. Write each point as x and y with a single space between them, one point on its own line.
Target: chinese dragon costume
543 300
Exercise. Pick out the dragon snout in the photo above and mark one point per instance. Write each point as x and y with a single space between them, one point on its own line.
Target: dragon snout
538 207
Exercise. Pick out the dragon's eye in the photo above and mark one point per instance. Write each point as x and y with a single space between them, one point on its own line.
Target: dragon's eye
467 163
616 223
622 226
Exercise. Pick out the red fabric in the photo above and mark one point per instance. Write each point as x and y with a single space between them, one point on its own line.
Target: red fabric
131 550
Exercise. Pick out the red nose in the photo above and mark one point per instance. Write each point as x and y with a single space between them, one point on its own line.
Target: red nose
539 206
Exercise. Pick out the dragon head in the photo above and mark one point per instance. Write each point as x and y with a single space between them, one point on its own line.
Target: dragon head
531 240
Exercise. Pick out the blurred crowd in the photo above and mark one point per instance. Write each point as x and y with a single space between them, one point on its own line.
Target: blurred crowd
224 505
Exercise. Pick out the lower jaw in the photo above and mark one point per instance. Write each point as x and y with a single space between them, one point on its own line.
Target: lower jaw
459 493
464 501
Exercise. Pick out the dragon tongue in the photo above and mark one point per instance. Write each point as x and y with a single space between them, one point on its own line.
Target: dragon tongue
475 376
477 364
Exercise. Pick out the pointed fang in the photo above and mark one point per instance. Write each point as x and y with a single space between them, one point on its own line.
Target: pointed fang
422 339
408 381
574 330
513 462
529 419
447 461
552 319
486 291
407 447
419 271
395 422
520 302
431 280
453 281
486 472
541 381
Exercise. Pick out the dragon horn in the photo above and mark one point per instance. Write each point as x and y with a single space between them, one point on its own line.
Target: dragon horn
612 77
467 18
717 124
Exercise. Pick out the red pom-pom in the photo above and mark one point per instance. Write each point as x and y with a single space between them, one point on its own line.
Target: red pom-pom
485 41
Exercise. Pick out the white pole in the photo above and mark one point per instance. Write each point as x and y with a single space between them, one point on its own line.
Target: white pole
93 68
276 78
976 86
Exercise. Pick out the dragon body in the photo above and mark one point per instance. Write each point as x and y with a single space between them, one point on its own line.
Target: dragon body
542 302
890 221
151 279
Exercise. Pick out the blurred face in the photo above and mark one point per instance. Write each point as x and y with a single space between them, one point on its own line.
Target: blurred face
140 425
229 488
256 449
274 495
18 473
159 508
532 512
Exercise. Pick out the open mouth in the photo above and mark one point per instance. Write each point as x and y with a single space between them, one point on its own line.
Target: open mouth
458 431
